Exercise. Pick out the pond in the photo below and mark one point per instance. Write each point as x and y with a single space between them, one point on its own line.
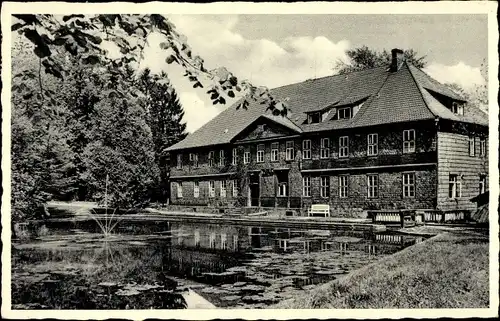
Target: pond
175 265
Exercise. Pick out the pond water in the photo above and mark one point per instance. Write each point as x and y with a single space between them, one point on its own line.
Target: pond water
142 265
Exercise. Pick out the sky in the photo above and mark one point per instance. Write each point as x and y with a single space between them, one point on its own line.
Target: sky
275 50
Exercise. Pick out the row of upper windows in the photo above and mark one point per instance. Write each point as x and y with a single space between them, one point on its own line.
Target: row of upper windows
325 150
343 149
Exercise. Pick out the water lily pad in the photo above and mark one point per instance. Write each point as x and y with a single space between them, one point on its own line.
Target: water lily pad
127 292
231 298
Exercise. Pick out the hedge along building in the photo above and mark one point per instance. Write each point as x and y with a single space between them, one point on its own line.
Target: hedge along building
383 138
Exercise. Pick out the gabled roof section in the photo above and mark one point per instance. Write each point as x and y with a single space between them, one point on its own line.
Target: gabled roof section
284 121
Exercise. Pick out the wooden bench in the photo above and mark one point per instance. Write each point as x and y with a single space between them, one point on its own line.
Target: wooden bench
320 209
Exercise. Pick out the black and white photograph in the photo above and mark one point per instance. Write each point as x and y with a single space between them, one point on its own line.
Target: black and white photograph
249 160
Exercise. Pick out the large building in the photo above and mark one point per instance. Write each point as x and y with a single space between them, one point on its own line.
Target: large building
383 138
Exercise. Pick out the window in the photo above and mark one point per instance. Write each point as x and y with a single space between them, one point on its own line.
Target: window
344 113
193 158
197 238
372 183
314 118
325 148
408 184
222 160
179 161
212 240
482 146
343 186
211 158
306 186
211 188
457 108
455 186
196 190
344 146
234 159
282 177
325 186
372 144
408 141
223 185
472 146
179 190
235 242
306 149
235 188
289 151
260 153
246 157
482 184
223 241
274 152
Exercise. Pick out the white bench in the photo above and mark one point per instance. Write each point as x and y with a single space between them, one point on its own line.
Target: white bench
322 209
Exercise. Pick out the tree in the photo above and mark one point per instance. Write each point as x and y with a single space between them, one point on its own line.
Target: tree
477 95
362 58
81 36
164 117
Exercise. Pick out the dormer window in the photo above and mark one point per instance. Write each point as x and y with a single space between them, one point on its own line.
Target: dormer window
457 108
314 118
344 113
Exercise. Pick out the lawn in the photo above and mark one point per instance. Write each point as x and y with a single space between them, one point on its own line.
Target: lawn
449 270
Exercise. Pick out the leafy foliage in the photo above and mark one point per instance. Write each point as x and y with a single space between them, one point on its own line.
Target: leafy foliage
362 58
81 36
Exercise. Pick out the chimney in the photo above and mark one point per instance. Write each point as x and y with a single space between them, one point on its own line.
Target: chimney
397 59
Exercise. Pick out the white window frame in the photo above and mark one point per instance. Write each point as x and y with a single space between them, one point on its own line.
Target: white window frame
408 141
324 190
409 185
193 158
482 146
234 160
196 189
197 238
472 146
454 186
235 242
179 190
211 188
290 150
306 186
324 148
372 149
372 185
260 153
246 157
223 241
211 157
310 117
211 240
457 108
179 161
274 151
223 188
282 189
482 183
343 146
235 188
306 149
343 186
222 158
341 113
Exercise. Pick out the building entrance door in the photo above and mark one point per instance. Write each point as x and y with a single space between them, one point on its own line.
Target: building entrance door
254 184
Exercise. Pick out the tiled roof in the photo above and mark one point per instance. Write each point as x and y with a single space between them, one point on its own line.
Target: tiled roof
391 97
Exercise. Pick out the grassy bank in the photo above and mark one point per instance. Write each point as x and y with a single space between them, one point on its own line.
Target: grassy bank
447 271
